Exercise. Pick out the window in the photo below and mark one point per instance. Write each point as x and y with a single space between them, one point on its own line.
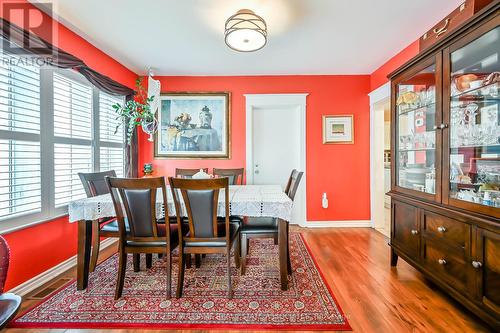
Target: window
53 124
20 173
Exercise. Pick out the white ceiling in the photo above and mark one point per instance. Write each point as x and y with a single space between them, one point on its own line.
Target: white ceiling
305 36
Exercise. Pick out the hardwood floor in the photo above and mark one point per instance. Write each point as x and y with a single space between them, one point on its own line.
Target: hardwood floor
374 296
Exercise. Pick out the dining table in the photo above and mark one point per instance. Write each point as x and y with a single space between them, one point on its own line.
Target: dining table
268 201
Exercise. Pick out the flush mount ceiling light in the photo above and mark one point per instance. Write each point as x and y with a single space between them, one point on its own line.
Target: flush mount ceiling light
245 31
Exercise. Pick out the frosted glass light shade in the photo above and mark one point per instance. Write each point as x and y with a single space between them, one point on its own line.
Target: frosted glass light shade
245 31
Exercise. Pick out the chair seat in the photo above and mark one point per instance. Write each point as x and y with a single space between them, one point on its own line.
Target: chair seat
113 226
233 230
174 238
9 305
259 225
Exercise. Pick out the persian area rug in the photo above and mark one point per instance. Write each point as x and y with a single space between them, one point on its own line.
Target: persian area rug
258 301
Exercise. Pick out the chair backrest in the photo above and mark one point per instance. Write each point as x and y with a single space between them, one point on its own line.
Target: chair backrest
138 197
94 183
293 183
187 173
235 176
201 199
4 262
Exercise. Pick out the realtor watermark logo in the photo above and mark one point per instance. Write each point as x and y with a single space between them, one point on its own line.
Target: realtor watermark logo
28 34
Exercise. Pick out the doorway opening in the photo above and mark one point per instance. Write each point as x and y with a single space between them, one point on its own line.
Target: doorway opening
381 158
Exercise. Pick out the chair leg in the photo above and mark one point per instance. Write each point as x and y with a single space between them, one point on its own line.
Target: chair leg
197 260
160 255
237 252
137 262
188 260
96 242
169 273
288 261
149 260
276 239
122 266
244 250
229 289
180 275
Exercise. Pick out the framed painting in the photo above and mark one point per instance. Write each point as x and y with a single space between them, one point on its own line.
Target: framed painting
338 129
194 125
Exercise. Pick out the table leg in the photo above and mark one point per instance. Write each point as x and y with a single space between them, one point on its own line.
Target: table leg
282 241
83 257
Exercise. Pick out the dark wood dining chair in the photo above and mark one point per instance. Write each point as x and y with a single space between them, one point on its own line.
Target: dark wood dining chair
94 185
188 173
235 176
9 302
144 234
261 227
206 235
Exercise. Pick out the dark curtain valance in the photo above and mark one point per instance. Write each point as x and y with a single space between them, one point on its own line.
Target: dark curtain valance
14 34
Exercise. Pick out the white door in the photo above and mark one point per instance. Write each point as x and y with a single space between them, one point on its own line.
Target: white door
276 134
275 138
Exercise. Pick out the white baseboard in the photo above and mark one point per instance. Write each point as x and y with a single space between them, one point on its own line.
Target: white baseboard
44 277
338 224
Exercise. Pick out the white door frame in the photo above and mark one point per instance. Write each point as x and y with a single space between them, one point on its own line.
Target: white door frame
376 96
254 101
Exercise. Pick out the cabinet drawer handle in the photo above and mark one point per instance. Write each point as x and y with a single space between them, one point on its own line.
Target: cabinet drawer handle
443 29
476 264
442 262
441 229
443 126
414 232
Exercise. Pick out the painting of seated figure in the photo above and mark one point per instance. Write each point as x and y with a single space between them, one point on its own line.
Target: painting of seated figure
193 125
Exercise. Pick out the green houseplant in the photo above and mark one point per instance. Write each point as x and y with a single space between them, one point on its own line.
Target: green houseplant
136 112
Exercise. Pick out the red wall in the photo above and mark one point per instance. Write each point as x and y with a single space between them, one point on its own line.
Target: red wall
38 248
342 171
379 76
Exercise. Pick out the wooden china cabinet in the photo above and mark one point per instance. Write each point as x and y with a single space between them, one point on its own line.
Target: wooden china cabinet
445 209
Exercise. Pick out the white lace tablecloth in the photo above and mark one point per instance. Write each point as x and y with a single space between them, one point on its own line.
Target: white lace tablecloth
244 200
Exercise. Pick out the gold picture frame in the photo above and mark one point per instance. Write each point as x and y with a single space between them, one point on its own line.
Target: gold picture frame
338 129
174 139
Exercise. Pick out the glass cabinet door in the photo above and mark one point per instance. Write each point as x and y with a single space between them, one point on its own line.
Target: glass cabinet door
474 132
415 139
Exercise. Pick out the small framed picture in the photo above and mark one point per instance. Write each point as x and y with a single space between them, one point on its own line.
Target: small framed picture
338 129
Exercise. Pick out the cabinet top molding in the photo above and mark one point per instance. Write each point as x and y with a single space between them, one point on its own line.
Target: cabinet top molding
490 10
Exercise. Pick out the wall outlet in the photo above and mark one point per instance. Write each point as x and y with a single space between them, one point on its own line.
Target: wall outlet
324 201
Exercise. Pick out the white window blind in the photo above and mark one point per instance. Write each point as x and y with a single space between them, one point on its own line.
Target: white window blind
72 108
19 98
69 160
20 178
107 118
112 159
110 143
20 166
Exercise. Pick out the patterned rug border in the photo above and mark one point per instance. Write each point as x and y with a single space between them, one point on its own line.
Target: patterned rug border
161 326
